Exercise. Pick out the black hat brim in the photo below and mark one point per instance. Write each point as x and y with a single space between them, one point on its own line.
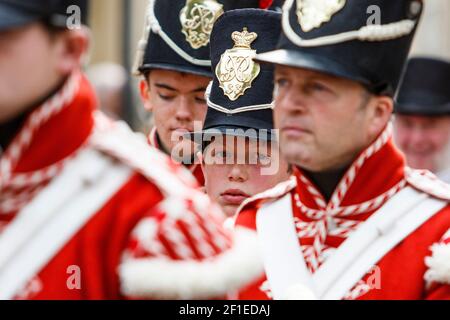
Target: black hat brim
205 135
295 59
176 68
422 110
11 18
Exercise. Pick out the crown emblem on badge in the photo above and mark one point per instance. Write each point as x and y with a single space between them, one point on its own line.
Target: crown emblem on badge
243 39
314 13
197 20
236 70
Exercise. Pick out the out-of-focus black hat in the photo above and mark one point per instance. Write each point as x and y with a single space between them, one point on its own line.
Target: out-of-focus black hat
17 13
426 88
240 97
367 41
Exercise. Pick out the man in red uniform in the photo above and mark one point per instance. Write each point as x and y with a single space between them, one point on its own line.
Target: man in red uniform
84 214
355 223
422 116
173 58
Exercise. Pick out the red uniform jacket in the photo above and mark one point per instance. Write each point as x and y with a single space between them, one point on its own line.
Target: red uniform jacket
417 268
148 240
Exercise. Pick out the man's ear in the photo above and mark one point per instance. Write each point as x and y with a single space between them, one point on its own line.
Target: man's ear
382 108
73 47
144 90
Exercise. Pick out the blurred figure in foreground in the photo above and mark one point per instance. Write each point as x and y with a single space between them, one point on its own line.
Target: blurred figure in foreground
87 209
422 122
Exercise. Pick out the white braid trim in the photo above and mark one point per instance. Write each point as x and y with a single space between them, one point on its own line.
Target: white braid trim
222 109
152 25
162 278
38 117
367 33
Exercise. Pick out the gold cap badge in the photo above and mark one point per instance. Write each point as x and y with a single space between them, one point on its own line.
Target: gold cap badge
313 13
197 20
236 69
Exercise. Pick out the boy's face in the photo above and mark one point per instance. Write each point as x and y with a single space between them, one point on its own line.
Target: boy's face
236 169
177 100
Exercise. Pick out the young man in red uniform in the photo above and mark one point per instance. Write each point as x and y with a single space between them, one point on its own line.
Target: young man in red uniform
84 214
173 58
355 223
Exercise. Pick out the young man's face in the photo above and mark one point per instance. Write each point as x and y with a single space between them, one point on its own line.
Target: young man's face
325 121
424 140
236 169
33 62
177 100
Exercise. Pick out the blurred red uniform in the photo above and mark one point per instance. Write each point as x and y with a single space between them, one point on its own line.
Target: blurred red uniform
84 214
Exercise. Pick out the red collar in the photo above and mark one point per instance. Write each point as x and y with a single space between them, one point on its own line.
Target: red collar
51 134
377 170
376 175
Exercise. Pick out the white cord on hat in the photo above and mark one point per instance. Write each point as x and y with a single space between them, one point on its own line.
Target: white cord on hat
237 110
367 33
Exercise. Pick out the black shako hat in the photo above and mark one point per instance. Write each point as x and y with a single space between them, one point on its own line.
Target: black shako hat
425 89
176 36
367 41
17 13
240 97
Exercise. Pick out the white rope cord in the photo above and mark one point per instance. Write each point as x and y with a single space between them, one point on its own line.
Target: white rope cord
367 33
237 110
17 189
152 25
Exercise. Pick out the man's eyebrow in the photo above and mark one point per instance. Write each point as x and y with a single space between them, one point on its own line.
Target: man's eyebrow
201 89
165 86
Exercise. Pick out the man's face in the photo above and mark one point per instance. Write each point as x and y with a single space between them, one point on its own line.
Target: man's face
28 68
323 120
424 140
177 100
234 170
